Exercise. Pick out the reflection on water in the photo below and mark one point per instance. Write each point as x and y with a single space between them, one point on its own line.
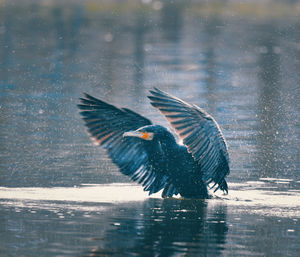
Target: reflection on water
271 113
239 61
162 228
119 220
150 228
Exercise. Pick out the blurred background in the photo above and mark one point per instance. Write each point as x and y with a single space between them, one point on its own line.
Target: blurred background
239 60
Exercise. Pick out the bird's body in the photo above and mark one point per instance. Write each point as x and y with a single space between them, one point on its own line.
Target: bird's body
150 154
176 162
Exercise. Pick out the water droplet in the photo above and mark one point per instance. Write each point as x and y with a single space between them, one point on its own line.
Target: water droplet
108 37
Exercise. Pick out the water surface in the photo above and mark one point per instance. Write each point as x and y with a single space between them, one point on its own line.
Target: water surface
61 196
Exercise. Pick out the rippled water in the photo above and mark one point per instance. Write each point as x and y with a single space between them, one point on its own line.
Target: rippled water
121 220
61 196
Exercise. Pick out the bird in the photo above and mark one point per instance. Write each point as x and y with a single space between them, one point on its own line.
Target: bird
151 155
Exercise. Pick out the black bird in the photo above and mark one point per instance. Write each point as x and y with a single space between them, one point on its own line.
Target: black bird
150 154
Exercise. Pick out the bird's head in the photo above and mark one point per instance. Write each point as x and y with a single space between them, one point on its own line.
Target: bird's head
151 133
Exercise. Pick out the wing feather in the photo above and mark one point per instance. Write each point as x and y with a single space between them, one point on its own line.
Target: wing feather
200 133
106 125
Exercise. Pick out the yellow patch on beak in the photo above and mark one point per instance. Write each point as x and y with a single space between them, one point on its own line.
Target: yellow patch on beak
145 136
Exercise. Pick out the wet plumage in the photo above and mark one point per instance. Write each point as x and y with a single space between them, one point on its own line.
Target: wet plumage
150 154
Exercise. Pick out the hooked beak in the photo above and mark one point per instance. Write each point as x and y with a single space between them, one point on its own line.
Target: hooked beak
142 135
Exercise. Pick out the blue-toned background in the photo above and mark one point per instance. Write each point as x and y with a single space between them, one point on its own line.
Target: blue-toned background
239 61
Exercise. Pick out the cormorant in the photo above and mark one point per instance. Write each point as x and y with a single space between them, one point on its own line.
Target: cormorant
150 154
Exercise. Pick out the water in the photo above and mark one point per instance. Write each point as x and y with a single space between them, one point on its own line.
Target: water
121 220
61 196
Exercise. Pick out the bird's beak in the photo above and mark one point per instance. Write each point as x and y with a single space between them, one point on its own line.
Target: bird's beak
142 135
132 134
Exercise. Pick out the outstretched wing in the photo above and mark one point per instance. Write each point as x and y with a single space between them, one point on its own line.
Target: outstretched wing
200 133
106 125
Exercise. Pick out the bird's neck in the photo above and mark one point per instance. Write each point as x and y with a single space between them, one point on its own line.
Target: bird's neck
167 148
169 142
